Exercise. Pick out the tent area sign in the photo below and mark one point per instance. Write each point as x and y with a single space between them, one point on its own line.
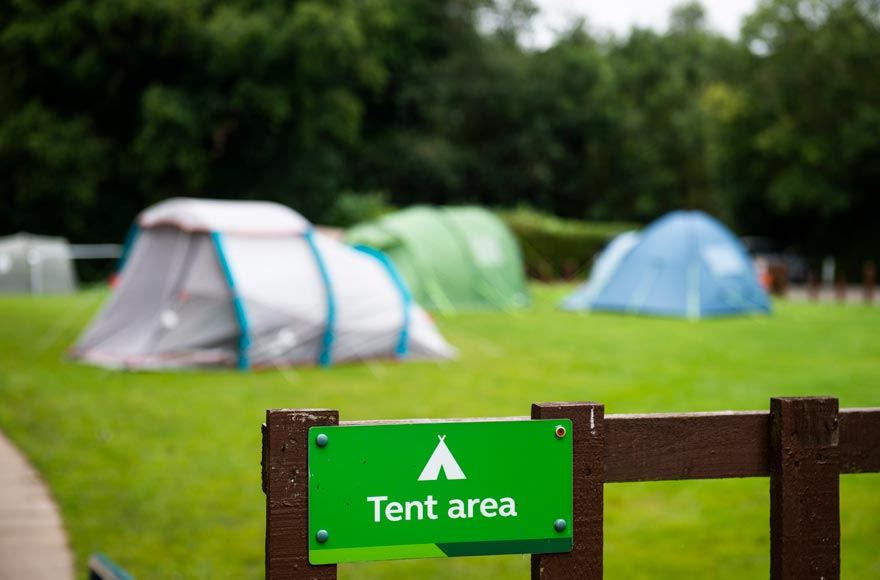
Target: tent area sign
439 489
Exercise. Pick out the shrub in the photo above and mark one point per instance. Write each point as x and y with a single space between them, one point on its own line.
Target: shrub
351 208
556 248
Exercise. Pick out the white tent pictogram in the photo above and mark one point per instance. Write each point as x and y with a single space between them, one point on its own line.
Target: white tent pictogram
441 459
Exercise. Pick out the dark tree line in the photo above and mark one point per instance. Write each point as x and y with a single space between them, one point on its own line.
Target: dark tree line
107 106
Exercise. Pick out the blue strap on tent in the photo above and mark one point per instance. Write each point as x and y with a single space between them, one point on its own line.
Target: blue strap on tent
103 568
406 297
244 340
127 245
326 356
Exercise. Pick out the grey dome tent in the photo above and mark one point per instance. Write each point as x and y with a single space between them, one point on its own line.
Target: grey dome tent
31 264
242 283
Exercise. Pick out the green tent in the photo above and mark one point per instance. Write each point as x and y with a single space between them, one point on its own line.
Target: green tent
452 258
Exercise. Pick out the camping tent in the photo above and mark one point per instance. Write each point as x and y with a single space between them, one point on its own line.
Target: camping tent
208 282
685 264
603 268
453 258
32 264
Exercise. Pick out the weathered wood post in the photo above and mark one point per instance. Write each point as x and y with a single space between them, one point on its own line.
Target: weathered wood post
869 280
804 489
813 287
584 562
840 288
286 483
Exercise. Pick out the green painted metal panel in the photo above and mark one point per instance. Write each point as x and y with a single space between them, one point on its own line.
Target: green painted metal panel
435 489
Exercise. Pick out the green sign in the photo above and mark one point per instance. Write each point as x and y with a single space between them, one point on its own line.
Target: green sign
424 490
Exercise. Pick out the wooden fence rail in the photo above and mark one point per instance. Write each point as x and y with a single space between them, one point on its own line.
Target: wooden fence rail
801 444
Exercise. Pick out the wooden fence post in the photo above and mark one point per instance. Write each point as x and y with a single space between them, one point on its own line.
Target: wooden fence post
814 288
286 483
841 288
804 489
585 560
869 280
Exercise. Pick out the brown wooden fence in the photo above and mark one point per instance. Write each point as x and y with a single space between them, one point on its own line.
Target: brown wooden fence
802 444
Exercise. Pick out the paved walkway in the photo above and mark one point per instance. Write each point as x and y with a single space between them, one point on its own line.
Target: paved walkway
33 544
854 295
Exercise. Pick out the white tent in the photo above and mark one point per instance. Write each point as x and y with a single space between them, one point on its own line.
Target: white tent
32 264
208 282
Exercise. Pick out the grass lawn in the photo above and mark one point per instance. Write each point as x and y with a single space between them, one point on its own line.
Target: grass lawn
162 471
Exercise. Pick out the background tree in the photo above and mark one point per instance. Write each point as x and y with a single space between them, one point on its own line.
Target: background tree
108 106
804 150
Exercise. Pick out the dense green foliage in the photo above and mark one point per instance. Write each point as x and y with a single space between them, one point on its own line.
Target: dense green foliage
352 208
555 248
162 470
109 105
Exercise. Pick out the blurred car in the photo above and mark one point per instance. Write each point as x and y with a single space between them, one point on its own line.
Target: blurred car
770 255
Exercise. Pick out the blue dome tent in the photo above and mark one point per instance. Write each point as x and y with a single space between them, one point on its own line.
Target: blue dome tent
603 268
686 264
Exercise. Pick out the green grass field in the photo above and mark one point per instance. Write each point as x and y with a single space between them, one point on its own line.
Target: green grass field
162 471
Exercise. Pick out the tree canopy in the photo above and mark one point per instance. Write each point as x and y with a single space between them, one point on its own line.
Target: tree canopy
107 106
